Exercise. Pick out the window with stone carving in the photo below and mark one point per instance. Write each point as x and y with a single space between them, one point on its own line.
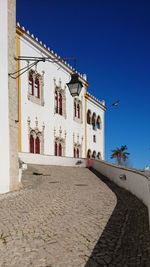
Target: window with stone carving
36 87
59 149
77 151
36 138
60 102
77 110
77 145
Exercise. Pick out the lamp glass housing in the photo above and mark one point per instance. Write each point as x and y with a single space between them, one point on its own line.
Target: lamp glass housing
75 86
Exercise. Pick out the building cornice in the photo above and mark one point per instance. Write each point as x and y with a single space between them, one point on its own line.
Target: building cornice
95 101
48 52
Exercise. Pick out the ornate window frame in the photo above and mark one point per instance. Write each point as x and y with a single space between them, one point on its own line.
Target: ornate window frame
78 111
77 146
60 103
35 132
36 87
59 140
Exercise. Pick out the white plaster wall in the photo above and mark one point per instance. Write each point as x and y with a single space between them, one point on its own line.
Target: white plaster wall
46 113
99 145
136 182
52 160
4 101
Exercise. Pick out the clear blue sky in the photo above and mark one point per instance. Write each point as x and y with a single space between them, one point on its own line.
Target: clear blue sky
111 41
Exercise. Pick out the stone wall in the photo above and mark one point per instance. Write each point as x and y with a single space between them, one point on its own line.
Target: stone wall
13 97
136 182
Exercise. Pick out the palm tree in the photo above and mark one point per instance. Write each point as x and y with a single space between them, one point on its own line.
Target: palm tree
120 155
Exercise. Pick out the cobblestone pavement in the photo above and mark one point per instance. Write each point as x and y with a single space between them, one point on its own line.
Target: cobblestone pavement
125 241
55 220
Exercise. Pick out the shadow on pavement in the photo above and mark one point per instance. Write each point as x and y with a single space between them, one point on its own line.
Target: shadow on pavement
125 240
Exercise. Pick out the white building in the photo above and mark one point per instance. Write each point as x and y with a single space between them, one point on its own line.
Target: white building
50 120
38 114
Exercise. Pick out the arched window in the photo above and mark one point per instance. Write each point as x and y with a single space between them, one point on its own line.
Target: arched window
78 110
60 150
60 104
31 84
31 144
98 122
99 155
77 152
75 111
37 145
55 148
74 152
94 138
89 117
37 88
94 154
89 153
94 121
56 102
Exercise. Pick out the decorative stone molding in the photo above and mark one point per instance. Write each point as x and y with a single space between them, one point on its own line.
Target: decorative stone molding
60 138
77 144
78 110
59 92
61 141
32 96
35 132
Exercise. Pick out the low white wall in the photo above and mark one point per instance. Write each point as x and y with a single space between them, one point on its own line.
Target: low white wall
138 183
52 160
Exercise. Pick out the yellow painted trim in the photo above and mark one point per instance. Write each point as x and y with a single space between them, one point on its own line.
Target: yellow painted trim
19 91
85 133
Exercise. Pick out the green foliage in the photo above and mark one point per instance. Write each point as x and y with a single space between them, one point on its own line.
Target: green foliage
120 154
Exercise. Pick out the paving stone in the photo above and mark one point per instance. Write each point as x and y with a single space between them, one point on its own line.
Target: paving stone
52 221
71 217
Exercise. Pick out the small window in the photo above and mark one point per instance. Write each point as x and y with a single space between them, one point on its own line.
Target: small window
60 104
56 102
37 145
94 121
75 111
37 88
89 153
94 138
99 155
55 149
89 117
31 85
98 122
78 110
60 150
94 154
31 144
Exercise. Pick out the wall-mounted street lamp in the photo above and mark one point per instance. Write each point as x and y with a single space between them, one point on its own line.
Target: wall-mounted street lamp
75 85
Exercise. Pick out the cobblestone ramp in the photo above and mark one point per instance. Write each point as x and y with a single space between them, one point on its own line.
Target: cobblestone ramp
125 241
55 220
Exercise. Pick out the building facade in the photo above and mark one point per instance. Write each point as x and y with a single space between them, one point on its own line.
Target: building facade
50 120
